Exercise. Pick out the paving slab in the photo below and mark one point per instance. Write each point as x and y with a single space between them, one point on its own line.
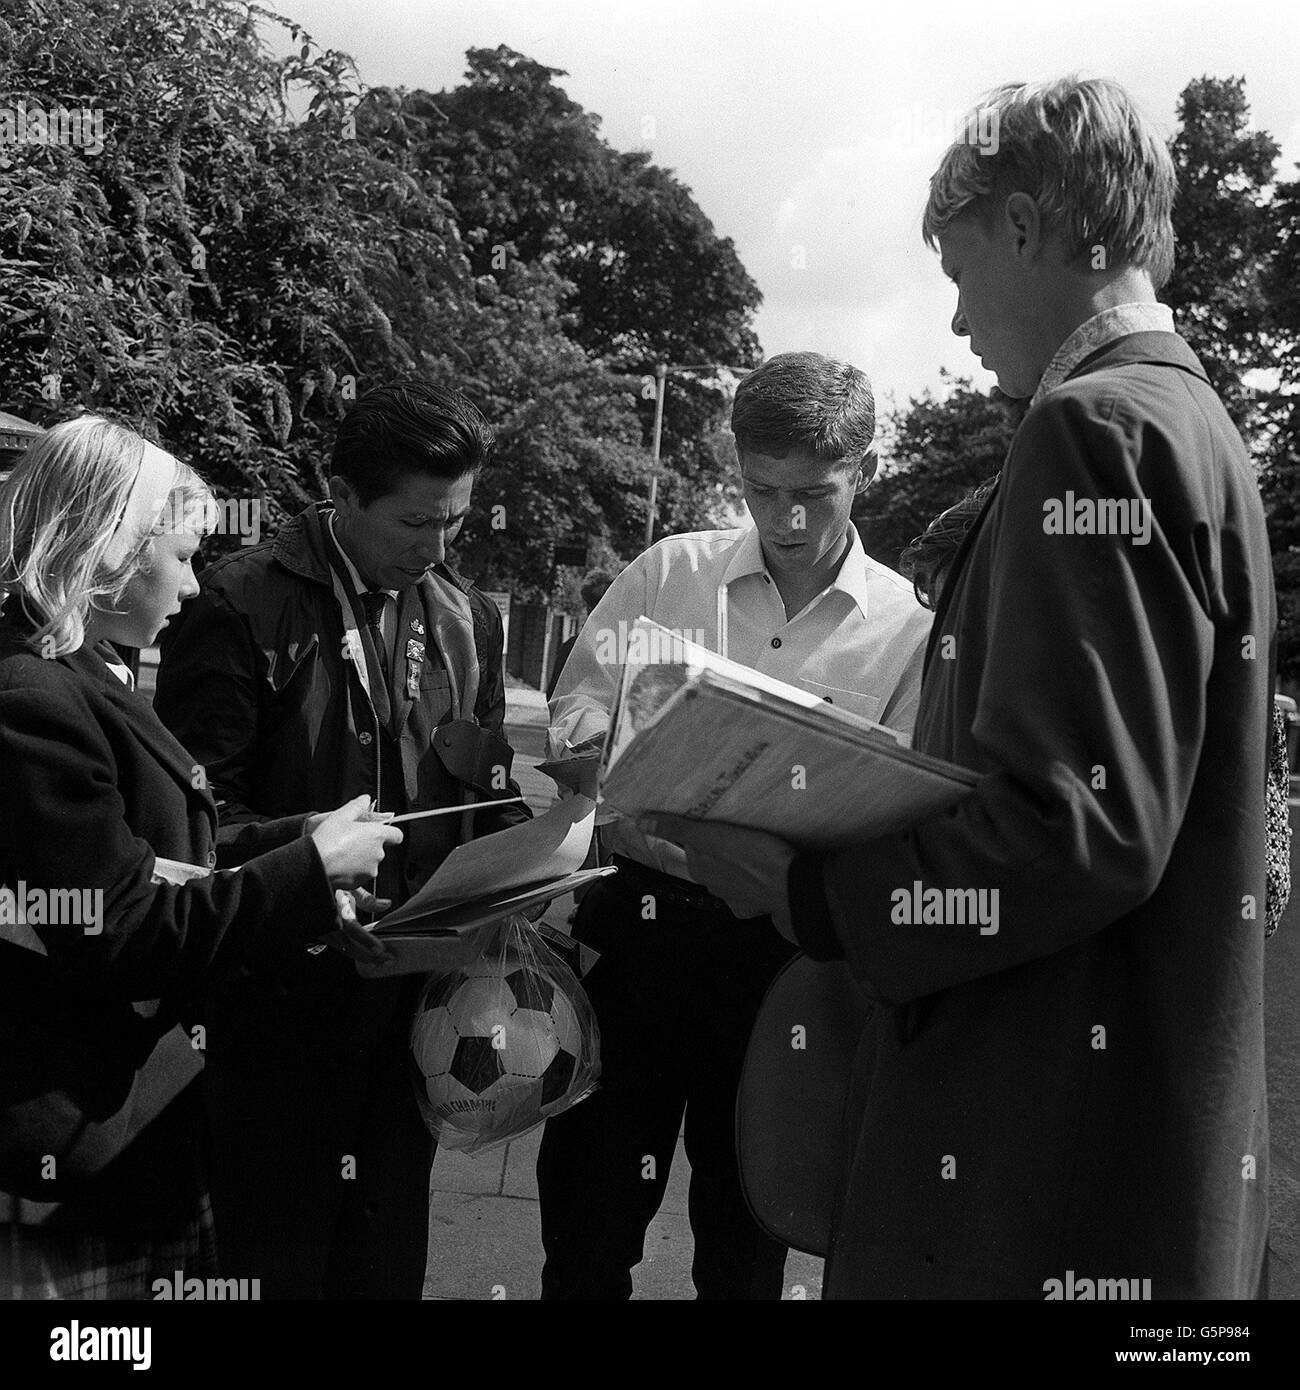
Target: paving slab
521 1166
483 1247
478 1174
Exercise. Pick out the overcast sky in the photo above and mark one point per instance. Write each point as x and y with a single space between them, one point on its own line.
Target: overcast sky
807 130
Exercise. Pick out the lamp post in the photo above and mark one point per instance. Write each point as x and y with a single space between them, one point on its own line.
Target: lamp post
661 390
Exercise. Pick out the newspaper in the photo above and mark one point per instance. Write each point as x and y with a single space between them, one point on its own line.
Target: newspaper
444 924
696 735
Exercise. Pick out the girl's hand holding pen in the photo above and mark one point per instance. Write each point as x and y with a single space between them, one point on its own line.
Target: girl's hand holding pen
352 840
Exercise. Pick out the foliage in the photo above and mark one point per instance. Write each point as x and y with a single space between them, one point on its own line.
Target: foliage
227 278
532 180
939 450
1224 227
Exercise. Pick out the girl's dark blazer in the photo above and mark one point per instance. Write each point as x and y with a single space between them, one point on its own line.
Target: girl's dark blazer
92 788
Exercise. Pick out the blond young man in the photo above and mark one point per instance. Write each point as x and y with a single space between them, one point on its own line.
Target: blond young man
1080 1095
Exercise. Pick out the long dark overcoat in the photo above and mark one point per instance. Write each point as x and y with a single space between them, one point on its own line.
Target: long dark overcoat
1083 1088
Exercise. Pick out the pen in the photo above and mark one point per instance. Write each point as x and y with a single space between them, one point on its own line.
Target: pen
454 810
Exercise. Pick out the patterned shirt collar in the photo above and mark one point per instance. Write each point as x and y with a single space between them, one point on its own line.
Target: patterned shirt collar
1116 322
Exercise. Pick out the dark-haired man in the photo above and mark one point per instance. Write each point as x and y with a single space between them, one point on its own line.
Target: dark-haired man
679 983
345 657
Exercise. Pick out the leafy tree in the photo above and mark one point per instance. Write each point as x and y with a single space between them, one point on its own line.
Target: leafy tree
1225 231
531 179
1280 479
569 460
939 450
220 274
228 278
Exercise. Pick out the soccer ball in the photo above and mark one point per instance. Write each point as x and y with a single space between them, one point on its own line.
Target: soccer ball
496 1045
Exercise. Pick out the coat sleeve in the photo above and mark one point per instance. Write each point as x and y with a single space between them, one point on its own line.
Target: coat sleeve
239 842
210 694
64 822
1090 712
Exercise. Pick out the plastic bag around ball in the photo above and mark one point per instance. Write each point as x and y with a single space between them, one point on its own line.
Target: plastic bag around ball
501 1044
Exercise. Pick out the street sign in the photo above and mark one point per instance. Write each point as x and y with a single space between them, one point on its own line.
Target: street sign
502 601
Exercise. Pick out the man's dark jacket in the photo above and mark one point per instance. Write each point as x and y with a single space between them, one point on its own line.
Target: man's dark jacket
309 1063
1082 1090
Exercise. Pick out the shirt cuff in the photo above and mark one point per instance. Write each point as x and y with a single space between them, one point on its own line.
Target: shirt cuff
810 912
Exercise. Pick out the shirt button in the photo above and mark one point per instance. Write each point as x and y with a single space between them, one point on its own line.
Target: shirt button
212 859
776 641
828 699
364 739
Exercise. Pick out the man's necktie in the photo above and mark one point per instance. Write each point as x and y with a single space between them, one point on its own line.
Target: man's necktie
373 602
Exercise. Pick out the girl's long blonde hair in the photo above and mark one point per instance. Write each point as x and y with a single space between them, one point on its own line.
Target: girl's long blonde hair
61 511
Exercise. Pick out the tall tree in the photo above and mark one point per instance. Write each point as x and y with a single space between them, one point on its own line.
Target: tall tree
1225 231
939 449
219 273
1280 480
531 178
228 278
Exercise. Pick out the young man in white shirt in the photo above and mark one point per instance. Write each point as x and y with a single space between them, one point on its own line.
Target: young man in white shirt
681 978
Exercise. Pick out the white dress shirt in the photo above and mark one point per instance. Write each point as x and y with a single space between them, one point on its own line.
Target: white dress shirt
859 643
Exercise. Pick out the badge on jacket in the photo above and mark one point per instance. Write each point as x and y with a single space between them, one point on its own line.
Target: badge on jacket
414 661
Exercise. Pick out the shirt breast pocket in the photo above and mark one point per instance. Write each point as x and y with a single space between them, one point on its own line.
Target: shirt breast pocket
435 691
855 701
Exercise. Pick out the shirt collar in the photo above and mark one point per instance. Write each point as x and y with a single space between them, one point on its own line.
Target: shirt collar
747 558
115 664
1116 322
358 584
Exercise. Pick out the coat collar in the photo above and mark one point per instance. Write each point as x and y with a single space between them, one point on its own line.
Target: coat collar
1102 329
851 577
300 547
168 750
88 666
1150 348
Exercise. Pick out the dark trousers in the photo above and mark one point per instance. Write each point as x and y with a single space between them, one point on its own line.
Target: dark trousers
320 1164
675 998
